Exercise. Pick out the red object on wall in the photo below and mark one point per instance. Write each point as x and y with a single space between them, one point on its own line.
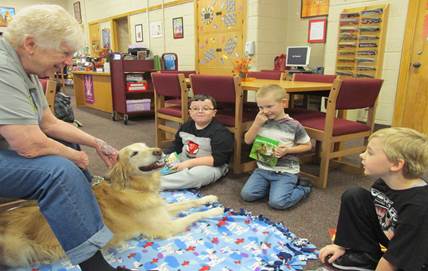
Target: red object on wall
279 63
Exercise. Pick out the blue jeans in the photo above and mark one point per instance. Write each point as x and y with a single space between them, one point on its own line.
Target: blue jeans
282 188
64 196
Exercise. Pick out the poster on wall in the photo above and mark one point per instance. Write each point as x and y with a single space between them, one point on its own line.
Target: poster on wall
317 31
313 8
105 33
6 14
139 33
156 29
89 89
177 28
77 12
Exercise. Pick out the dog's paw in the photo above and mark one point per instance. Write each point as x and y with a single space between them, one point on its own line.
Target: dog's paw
218 211
208 199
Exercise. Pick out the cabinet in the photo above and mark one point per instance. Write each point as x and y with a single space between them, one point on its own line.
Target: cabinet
133 102
361 41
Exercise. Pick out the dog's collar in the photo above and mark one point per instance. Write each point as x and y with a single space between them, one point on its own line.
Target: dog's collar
96 180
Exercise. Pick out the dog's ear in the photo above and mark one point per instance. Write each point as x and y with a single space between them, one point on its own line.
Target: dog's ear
118 175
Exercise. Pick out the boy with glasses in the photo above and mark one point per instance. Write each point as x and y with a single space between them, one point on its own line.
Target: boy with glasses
204 148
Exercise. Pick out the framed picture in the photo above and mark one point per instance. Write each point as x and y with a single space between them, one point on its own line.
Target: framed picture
317 31
77 12
6 14
177 28
139 33
313 8
156 29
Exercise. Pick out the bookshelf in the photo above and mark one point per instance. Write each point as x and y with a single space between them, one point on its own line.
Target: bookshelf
132 89
361 41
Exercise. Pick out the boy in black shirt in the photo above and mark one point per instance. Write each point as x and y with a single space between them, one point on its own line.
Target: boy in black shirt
204 147
393 213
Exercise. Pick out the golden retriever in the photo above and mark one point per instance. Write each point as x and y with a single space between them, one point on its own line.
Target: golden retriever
130 204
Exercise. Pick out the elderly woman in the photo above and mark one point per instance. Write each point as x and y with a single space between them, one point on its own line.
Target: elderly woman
33 164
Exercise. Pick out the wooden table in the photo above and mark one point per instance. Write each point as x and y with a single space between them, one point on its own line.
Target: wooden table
289 86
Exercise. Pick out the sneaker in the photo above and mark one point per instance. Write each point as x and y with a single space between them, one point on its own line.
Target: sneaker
355 260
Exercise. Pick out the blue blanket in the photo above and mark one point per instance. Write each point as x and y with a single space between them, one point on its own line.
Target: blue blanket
236 241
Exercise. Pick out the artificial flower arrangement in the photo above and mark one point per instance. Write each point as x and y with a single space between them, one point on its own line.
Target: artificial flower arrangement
241 65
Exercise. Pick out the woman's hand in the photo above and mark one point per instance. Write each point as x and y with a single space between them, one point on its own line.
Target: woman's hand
81 159
334 251
107 153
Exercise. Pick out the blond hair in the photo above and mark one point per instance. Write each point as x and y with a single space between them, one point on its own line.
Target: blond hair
405 144
49 25
275 91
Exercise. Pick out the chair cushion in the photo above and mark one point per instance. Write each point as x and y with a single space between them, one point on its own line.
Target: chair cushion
340 126
171 110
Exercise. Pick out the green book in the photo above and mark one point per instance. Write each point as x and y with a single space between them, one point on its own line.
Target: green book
262 150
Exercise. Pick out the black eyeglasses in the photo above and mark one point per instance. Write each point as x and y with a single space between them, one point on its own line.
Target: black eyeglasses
203 109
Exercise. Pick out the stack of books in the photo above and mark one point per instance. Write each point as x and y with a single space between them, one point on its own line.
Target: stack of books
136 83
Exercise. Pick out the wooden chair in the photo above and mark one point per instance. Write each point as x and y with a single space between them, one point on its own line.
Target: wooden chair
226 90
330 130
185 73
271 75
169 62
171 86
308 77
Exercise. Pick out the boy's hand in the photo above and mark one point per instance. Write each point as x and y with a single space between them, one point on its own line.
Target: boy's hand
182 165
260 119
280 151
334 251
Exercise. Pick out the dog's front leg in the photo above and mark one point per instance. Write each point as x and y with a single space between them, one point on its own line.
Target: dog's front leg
177 207
181 224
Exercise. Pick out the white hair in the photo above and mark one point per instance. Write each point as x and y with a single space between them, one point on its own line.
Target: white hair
48 25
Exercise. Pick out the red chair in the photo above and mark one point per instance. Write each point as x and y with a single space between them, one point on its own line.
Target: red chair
303 113
270 75
226 90
185 73
172 86
330 130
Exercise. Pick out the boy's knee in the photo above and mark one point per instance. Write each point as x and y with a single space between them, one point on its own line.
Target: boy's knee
248 196
280 204
355 193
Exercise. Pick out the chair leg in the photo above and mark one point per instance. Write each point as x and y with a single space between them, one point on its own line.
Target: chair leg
237 152
324 164
160 134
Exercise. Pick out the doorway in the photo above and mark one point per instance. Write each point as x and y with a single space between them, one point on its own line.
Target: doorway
411 100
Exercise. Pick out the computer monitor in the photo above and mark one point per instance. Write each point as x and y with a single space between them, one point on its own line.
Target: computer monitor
298 56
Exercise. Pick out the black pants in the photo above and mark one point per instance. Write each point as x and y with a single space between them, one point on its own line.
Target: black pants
358 227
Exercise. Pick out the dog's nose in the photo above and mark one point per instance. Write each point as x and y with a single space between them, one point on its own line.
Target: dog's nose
157 152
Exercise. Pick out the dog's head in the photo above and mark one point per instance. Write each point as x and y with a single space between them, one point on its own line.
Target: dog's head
137 167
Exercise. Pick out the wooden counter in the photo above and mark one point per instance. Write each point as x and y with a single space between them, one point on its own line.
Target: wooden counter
101 96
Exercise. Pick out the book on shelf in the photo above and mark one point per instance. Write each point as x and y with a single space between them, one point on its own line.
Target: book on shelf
262 150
